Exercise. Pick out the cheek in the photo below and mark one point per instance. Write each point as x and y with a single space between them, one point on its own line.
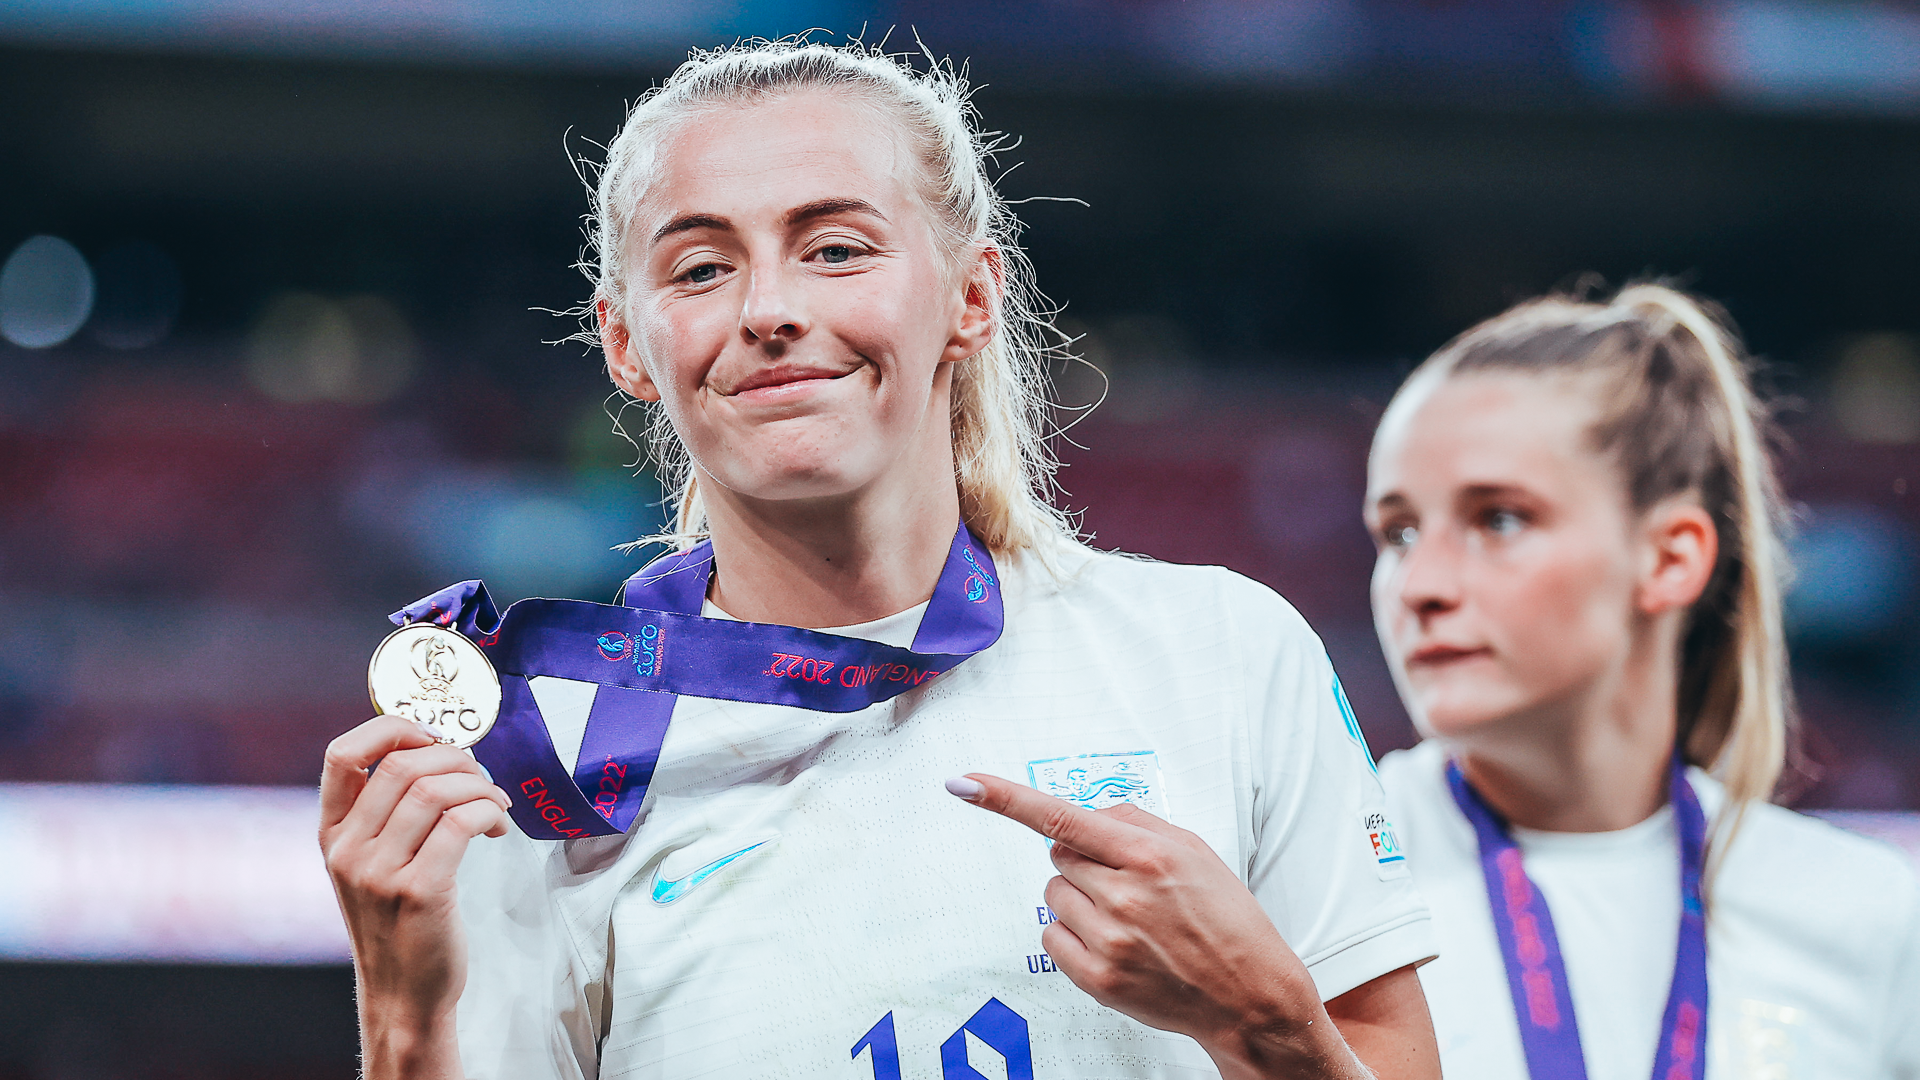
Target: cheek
897 318
1557 620
678 345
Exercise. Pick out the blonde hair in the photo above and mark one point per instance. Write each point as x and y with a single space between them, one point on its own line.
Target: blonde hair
1000 414
1681 418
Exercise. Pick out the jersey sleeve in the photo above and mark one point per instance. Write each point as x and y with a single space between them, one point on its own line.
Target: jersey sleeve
534 1003
1328 866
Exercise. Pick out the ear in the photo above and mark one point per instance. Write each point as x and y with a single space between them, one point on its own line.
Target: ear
623 363
980 311
1683 546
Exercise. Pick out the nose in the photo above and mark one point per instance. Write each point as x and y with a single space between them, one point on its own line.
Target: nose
1428 577
771 313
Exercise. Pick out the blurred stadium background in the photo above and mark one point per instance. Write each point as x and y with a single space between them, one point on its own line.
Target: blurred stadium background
274 363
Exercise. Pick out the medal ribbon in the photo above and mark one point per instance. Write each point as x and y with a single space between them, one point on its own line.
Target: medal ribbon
653 647
1536 971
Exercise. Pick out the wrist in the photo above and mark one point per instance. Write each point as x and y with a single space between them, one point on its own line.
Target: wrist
1279 1045
398 1042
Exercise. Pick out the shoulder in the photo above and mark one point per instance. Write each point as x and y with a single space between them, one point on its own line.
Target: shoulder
1131 590
1420 802
1806 870
1422 766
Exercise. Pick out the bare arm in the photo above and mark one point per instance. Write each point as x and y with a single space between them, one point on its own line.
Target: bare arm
393 841
1387 1024
1153 924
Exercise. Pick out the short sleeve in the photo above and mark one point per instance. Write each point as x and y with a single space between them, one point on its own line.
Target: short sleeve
1328 866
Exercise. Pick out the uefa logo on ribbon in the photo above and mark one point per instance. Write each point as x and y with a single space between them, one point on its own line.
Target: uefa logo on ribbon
615 645
977 582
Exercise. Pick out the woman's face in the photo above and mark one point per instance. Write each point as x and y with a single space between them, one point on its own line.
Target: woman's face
789 301
1509 565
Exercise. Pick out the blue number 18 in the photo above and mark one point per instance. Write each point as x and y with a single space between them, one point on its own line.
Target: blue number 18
995 1024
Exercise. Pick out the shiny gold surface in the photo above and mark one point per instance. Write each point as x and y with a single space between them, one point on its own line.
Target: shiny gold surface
437 678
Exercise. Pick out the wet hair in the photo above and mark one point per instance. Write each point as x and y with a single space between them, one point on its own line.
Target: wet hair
1679 416
1000 414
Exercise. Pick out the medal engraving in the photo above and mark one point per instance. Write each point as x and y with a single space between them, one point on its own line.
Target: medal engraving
437 678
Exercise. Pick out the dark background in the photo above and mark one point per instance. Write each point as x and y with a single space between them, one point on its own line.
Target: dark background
319 387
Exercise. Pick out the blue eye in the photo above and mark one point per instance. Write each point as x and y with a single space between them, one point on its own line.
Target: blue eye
701 275
1505 522
836 253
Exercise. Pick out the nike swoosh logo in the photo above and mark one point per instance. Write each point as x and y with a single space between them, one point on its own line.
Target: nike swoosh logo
666 892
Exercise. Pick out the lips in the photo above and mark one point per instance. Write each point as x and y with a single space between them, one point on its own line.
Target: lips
1436 655
784 375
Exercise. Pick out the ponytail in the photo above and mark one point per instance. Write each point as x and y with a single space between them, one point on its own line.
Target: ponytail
1737 725
1681 418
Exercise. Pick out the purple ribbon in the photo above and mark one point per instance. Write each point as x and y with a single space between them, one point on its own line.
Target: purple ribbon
655 646
1536 972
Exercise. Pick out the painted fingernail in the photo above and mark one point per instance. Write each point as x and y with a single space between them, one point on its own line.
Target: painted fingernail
966 787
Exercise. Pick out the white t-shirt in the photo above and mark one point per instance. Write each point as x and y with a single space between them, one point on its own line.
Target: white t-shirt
1813 940
862 900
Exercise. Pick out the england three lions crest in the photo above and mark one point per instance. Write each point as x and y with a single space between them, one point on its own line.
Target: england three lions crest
1097 781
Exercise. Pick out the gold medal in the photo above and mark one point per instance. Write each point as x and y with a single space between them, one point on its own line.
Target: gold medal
437 678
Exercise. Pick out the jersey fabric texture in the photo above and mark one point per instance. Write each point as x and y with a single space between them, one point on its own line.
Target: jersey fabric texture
1813 940
800 897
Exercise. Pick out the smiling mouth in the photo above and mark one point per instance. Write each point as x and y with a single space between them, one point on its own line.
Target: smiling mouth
780 378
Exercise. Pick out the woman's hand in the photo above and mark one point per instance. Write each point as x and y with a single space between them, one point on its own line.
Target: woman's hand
393 840
1150 922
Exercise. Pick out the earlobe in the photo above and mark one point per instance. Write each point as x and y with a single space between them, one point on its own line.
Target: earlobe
623 363
980 314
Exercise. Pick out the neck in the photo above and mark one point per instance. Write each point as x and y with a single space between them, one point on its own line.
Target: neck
837 562
1596 763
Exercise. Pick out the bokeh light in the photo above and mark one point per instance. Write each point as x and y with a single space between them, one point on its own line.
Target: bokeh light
1876 388
307 347
46 292
1854 567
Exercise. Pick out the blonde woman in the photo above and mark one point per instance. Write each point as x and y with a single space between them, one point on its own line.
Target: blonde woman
804 267
1578 590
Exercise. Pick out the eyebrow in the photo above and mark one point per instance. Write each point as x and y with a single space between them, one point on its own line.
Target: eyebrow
688 222
1492 490
830 208
811 211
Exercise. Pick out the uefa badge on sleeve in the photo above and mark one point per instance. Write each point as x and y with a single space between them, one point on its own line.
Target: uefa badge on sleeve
438 679
1389 858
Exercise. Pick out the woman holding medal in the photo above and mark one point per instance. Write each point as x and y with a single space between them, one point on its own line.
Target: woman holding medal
1578 590
733 854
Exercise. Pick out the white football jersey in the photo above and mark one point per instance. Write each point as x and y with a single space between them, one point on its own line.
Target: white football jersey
800 897
1813 941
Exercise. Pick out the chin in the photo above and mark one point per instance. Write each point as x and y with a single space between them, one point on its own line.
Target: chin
1458 712
783 478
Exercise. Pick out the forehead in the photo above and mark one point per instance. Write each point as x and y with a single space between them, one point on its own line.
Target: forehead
752 161
1480 428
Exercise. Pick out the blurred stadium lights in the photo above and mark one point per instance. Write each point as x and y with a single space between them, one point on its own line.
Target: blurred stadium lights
139 872
1850 54
46 292
528 531
232 874
1854 566
304 347
1875 394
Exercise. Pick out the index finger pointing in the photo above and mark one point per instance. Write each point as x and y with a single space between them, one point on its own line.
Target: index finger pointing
1099 837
